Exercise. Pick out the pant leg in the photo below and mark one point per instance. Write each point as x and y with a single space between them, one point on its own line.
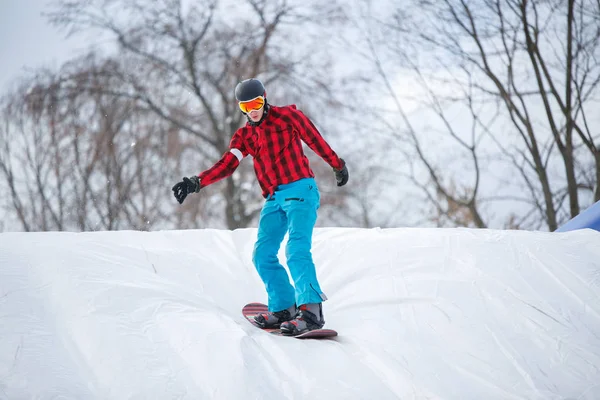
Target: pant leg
272 227
300 204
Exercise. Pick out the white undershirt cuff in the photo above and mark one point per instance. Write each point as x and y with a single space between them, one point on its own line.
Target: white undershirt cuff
238 154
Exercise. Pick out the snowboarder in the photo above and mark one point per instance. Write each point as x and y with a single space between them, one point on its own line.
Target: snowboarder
273 136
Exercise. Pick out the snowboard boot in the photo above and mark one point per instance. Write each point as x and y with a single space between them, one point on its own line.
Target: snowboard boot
274 319
308 317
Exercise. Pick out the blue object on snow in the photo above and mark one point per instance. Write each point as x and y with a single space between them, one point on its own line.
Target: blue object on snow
590 218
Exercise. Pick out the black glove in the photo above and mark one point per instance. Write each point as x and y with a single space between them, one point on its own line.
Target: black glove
341 175
185 187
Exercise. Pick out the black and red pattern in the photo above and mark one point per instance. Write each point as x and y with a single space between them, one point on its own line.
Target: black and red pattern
276 146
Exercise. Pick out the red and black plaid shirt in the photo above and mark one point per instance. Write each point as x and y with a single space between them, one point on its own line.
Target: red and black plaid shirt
276 146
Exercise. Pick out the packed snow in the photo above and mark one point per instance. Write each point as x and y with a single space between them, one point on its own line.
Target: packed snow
421 314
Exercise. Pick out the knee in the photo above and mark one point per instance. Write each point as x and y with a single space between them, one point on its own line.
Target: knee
263 254
257 255
298 249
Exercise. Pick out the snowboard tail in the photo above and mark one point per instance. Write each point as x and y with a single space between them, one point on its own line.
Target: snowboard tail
252 309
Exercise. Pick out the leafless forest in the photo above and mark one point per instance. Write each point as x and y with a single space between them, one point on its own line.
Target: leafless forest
448 113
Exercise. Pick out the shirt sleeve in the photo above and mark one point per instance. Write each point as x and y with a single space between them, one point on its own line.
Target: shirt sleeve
312 137
228 163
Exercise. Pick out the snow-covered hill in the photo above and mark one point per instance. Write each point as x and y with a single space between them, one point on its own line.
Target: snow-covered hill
421 313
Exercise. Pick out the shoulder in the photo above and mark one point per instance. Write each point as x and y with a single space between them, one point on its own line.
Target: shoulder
284 110
243 131
289 112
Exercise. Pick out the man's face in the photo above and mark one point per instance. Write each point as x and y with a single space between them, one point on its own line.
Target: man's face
253 108
256 115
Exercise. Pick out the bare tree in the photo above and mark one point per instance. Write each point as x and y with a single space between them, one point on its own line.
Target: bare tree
419 127
75 157
535 57
525 76
105 138
183 61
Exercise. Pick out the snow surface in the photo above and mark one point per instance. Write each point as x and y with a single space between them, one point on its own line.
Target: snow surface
421 313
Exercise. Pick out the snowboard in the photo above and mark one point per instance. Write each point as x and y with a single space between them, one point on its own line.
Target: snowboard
252 309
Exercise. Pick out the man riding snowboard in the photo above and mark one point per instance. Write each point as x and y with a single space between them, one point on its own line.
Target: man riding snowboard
273 136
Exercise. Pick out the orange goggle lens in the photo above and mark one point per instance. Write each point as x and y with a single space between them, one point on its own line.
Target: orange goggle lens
254 104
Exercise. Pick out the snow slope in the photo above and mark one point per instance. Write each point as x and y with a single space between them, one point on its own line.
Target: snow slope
422 314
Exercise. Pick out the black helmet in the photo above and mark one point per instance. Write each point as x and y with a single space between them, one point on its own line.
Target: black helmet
249 89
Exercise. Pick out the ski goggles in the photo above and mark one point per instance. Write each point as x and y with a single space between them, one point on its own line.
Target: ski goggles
250 105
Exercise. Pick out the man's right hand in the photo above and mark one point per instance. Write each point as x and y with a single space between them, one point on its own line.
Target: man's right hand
185 187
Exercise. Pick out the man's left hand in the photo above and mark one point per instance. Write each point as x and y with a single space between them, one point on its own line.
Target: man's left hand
341 175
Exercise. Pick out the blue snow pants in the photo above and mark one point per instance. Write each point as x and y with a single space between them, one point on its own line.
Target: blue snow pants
291 209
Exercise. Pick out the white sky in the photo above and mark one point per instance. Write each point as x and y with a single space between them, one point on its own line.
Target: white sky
27 40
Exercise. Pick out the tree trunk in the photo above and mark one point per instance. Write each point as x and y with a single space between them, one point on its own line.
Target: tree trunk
569 159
